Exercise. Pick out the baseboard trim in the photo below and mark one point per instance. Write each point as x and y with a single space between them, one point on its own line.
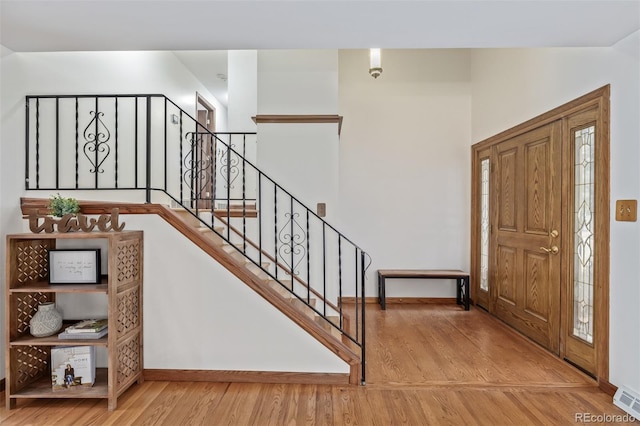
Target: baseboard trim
367 300
404 300
245 377
420 300
607 387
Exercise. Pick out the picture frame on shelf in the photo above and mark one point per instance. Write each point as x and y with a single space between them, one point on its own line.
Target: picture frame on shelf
74 266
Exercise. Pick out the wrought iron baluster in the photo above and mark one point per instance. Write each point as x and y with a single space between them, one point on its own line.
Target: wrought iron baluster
362 335
148 166
95 163
180 160
135 143
259 205
244 195
37 143
291 220
77 145
57 142
26 143
340 277
116 143
308 261
275 227
212 177
324 268
96 147
166 155
229 192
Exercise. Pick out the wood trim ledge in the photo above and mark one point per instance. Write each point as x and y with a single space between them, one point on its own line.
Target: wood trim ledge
299 119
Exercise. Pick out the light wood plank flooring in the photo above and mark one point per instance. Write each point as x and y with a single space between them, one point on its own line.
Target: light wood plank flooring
427 365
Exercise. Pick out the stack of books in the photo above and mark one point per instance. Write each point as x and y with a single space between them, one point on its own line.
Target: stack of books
86 329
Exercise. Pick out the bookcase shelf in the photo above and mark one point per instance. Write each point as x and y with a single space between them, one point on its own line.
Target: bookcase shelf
28 358
45 287
41 388
54 341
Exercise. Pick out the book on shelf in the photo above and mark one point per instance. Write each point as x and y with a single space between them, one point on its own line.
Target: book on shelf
73 367
71 336
88 326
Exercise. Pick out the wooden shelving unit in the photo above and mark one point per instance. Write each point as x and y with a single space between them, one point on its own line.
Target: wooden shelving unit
28 358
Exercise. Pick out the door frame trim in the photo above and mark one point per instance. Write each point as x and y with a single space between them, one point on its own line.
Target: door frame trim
597 98
200 100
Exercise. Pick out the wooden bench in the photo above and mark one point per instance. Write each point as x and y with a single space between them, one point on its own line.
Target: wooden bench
462 282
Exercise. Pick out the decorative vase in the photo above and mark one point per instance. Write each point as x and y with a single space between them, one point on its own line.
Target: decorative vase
46 321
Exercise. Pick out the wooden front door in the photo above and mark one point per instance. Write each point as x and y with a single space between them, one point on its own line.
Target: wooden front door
540 230
527 238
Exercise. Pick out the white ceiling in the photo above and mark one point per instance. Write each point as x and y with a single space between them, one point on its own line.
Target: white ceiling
81 25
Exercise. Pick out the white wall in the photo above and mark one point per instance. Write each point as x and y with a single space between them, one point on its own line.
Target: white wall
301 157
233 347
242 85
511 86
405 162
189 297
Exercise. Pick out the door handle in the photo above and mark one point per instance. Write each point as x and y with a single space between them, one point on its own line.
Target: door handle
552 249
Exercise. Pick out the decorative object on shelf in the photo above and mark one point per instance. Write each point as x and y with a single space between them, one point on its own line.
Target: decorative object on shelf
60 206
76 222
46 321
375 63
74 266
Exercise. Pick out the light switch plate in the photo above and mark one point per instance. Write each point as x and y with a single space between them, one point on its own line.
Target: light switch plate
321 209
627 210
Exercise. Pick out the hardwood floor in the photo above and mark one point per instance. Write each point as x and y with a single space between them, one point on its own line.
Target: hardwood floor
427 365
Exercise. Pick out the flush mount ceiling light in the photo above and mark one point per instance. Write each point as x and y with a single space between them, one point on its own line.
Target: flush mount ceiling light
375 63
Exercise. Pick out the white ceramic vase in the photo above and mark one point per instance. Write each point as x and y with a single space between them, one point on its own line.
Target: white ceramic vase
46 321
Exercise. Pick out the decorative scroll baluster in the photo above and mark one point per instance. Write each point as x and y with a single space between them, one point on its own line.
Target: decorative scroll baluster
96 143
292 238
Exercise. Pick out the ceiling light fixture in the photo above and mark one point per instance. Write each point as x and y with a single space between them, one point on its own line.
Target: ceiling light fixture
375 63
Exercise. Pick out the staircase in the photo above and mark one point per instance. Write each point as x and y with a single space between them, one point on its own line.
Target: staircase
206 186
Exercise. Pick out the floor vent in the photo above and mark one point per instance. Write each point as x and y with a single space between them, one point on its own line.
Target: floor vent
628 400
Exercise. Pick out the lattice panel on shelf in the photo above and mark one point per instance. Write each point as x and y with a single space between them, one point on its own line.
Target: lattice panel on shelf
26 305
129 357
32 261
127 261
128 310
30 362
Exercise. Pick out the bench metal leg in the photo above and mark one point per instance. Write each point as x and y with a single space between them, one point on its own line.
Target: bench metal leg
381 292
462 292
